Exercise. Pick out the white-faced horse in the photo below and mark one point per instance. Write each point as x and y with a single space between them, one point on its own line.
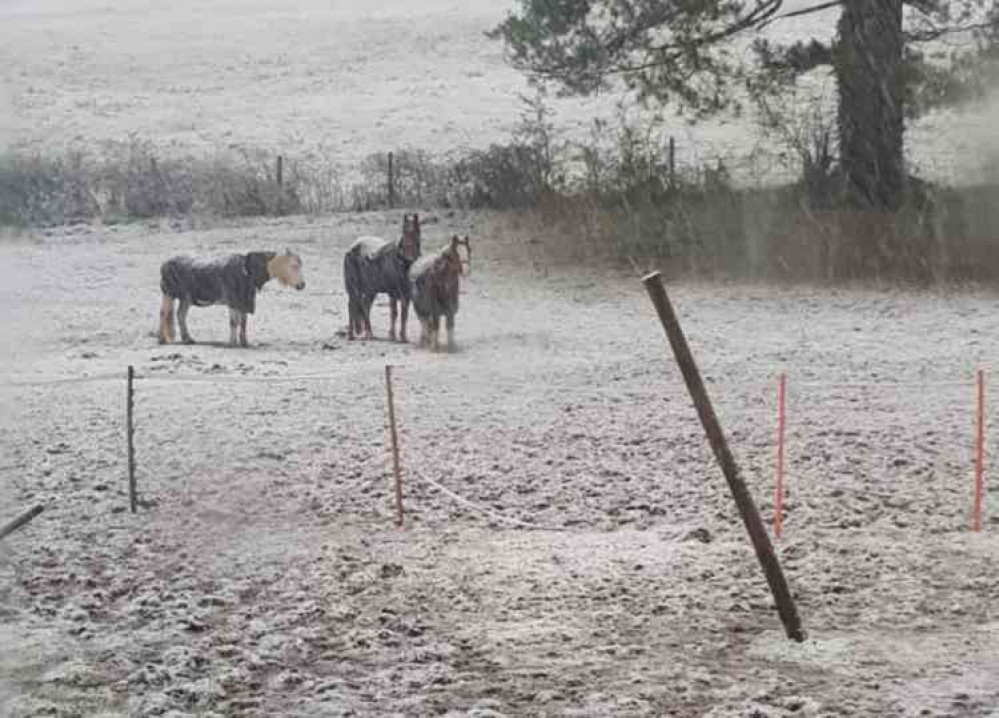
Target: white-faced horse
232 280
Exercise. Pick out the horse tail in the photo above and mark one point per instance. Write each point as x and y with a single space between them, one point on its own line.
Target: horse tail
353 284
352 273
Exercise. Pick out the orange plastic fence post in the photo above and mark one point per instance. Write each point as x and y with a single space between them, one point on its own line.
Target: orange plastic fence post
779 491
976 515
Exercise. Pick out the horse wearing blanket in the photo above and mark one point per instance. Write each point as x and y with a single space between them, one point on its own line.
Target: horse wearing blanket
233 280
374 266
435 282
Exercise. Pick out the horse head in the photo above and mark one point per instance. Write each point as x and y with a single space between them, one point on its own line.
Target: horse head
456 243
409 244
287 269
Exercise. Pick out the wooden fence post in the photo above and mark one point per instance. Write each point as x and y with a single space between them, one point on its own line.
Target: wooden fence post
712 428
130 434
279 172
21 521
976 511
779 490
391 181
397 469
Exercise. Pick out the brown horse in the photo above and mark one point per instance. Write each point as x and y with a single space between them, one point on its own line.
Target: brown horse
374 266
435 283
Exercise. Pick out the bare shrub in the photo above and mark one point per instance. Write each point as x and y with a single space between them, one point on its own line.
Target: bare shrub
643 211
128 180
418 179
612 197
37 190
244 184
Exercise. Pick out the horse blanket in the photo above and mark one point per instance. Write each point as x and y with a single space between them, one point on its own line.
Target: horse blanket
233 280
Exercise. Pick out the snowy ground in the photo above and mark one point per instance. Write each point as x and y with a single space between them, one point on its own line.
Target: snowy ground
265 576
339 78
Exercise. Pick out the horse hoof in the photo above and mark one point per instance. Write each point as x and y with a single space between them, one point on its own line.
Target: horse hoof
188 340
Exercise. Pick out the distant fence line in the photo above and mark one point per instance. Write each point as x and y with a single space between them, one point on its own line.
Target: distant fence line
136 180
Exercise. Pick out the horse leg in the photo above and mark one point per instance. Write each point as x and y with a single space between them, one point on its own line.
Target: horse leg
233 325
350 319
165 332
449 318
359 320
435 323
405 318
243 316
393 313
368 301
183 307
353 318
424 332
172 330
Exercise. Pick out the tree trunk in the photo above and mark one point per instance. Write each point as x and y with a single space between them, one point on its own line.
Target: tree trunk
869 73
871 103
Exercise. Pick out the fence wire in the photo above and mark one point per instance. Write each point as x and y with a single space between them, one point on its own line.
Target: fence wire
476 425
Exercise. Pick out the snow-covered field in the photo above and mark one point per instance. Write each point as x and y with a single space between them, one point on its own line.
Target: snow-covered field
340 78
266 576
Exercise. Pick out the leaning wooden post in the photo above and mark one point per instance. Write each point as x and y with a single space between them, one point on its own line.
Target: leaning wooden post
130 434
391 182
400 518
20 521
779 489
712 428
976 511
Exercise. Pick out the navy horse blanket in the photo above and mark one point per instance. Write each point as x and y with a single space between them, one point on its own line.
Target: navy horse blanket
233 280
375 266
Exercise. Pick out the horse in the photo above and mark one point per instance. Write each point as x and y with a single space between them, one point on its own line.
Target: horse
232 280
374 266
435 282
